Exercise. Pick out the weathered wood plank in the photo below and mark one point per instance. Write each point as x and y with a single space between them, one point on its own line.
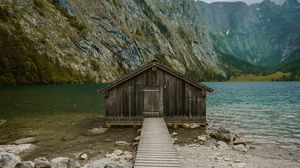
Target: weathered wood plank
156 147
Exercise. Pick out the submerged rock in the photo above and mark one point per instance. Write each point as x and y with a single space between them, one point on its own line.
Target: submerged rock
27 140
239 139
8 160
122 143
41 162
221 134
83 156
186 125
17 149
25 164
174 134
194 125
137 138
97 131
2 121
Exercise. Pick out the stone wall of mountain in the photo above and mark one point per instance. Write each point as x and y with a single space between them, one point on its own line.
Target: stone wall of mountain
264 34
65 41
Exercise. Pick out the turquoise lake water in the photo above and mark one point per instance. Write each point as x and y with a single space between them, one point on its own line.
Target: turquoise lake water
265 112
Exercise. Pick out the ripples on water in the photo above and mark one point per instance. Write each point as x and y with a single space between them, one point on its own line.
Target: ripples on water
265 112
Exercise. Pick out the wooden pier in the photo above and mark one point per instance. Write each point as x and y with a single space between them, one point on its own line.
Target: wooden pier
156 146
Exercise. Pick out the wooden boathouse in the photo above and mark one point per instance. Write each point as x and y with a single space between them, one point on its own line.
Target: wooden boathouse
158 91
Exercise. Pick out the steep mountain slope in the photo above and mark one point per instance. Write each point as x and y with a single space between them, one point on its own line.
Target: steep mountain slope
262 34
58 41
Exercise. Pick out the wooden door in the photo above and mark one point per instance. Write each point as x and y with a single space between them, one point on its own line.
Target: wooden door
151 102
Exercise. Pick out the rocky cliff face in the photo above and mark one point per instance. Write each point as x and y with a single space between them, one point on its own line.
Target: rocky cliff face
263 34
57 41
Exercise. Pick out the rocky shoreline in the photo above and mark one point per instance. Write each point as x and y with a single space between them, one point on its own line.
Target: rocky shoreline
198 147
12 154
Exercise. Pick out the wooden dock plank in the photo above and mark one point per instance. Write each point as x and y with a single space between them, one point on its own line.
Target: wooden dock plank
156 146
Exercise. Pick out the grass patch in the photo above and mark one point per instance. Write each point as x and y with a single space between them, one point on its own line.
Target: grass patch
251 77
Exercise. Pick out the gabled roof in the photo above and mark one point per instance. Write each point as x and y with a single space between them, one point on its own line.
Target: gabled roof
155 63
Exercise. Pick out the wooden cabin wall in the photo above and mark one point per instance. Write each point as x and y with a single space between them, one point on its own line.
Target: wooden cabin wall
179 98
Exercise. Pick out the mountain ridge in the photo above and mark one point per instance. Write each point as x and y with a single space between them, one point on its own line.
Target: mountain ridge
263 33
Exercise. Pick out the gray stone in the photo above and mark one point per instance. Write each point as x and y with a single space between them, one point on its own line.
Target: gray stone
239 165
240 148
222 145
252 147
174 134
2 121
83 156
73 163
97 131
174 140
202 138
122 143
186 125
41 162
239 139
118 152
128 155
113 165
137 138
25 164
27 140
194 125
221 134
64 162
17 149
8 160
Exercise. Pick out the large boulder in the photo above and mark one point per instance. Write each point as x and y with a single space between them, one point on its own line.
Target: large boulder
25 164
221 134
27 140
8 160
41 162
239 139
64 162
